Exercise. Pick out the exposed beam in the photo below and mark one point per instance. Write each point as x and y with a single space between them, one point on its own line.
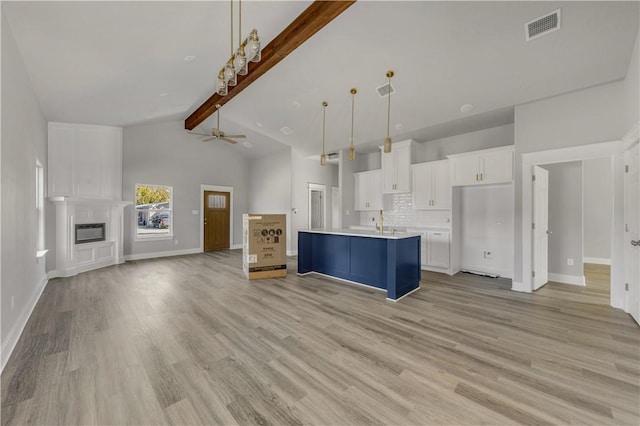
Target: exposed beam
312 20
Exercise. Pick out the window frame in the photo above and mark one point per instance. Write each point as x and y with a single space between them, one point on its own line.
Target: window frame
169 235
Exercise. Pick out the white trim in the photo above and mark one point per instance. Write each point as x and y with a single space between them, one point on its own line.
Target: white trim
41 253
568 279
9 343
323 189
632 136
236 247
292 252
168 253
404 295
53 274
597 260
229 189
152 237
518 286
610 149
482 151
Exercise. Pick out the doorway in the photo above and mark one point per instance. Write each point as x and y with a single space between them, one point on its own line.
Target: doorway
632 230
217 216
317 206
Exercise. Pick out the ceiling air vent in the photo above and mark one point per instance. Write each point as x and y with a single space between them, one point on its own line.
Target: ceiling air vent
543 25
332 155
385 89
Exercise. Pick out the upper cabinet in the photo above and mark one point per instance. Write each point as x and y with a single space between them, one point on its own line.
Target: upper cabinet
482 167
396 168
367 190
85 161
431 185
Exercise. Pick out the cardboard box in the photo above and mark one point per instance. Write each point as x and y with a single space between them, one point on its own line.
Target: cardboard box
264 245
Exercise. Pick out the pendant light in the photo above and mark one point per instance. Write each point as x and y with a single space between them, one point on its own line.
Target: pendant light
240 63
323 156
352 149
387 140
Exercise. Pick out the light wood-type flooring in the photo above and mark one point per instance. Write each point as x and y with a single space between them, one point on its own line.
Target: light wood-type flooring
188 340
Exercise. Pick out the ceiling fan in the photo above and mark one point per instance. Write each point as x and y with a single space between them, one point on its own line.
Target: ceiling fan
216 133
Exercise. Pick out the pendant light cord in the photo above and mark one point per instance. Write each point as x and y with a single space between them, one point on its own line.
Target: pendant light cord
324 115
389 108
231 27
353 101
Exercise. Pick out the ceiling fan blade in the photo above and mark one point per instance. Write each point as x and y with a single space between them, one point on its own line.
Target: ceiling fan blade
231 141
209 139
235 136
199 134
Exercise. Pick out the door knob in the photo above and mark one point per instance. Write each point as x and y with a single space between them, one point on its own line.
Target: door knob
635 243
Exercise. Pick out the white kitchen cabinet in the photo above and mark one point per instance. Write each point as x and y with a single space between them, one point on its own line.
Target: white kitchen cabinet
396 168
482 167
85 161
368 190
431 185
438 249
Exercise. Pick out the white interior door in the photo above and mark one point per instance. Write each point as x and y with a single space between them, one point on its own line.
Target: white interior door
317 206
632 231
541 227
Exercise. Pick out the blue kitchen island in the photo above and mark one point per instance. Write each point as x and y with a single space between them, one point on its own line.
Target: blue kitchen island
386 261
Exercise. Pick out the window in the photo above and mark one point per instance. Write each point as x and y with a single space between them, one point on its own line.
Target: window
154 211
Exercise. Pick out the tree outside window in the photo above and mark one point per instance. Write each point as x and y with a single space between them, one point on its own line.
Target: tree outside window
154 206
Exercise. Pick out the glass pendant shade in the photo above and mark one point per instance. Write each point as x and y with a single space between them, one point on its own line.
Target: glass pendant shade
352 153
241 62
230 73
323 159
221 86
254 47
387 145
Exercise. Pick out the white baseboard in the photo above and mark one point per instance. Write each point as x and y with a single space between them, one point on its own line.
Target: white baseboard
568 279
10 341
597 260
292 252
53 274
517 286
141 256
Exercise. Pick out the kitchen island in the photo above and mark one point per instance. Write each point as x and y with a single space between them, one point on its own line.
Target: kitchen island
389 261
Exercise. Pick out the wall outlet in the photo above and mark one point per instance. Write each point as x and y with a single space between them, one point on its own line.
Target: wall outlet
570 261
12 303
175 242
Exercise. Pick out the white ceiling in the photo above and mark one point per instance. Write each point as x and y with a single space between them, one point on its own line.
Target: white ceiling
109 62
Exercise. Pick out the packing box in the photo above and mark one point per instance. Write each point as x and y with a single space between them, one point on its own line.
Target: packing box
264 245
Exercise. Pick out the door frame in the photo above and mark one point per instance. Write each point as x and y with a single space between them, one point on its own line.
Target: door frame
218 188
613 150
633 145
323 189
539 172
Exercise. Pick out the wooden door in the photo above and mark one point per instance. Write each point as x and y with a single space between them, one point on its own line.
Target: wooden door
216 220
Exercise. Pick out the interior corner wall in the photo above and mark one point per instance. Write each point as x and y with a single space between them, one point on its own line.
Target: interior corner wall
305 171
24 141
597 184
165 154
270 186
565 218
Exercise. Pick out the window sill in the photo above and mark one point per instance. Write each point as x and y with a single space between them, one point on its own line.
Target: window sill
41 253
139 239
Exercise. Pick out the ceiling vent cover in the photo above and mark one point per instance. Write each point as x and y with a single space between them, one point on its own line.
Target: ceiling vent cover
385 89
543 25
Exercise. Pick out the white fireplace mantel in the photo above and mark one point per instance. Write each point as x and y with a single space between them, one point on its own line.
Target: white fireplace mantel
72 258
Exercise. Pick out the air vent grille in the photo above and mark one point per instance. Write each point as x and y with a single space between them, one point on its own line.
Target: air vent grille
385 89
543 25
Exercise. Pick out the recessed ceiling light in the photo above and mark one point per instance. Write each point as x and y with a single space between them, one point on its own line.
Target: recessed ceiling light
466 108
163 95
399 126
259 124
286 131
247 144
189 58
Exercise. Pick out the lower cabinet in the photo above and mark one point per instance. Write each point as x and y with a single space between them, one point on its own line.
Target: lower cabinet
434 250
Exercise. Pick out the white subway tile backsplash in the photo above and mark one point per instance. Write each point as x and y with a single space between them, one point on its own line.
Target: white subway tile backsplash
398 211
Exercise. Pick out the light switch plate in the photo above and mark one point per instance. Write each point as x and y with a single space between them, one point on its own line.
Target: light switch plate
194 212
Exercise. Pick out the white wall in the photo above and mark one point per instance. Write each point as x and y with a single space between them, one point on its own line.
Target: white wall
438 149
346 168
631 88
165 154
597 184
565 220
24 140
305 171
487 225
270 186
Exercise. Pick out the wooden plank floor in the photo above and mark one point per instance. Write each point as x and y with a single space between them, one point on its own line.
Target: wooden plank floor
187 340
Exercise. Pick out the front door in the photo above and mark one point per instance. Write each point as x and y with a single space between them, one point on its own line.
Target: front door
216 220
540 227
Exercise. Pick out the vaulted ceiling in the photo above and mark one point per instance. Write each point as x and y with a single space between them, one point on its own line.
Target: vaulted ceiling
122 63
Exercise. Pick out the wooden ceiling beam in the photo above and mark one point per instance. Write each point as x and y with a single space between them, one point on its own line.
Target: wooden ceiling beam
309 22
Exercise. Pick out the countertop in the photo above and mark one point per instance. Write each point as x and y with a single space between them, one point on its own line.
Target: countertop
363 233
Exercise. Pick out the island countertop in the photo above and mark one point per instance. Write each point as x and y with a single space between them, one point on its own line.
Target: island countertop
363 233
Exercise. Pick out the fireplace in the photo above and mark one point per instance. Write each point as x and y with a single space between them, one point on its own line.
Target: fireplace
90 232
